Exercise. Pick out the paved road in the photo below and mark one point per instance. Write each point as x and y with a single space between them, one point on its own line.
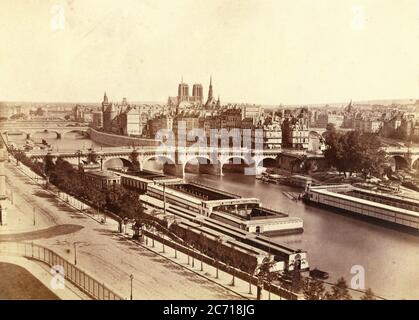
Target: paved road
101 252
46 233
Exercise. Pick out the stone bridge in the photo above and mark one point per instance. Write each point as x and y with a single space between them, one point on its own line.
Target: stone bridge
174 159
30 130
405 157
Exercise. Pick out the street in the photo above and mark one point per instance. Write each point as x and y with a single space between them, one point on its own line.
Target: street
100 249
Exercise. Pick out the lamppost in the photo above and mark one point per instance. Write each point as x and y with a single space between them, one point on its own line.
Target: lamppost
75 252
79 153
193 255
131 277
219 241
164 198
101 158
259 287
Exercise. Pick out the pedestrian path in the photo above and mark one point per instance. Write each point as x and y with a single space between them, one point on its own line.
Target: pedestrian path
204 270
64 290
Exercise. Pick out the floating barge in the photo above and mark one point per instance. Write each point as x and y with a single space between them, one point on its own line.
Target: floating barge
380 207
241 222
297 181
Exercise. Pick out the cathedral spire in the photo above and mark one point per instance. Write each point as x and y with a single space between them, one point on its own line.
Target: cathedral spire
210 95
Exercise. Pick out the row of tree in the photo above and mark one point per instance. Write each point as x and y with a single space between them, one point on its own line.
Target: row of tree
314 289
125 203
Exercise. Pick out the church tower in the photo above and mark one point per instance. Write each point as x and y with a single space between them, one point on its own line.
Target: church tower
197 93
105 102
211 103
183 92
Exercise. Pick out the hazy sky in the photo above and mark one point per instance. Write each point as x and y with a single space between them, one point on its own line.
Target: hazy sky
259 51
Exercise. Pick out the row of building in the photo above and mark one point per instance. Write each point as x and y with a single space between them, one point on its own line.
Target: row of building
269 130
388 121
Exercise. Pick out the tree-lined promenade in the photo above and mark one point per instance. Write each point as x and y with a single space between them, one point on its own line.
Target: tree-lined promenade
125 203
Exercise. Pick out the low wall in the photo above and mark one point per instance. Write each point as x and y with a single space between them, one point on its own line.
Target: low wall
115 140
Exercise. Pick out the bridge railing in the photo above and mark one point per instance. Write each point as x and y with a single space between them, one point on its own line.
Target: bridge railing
401 149
80 278
158 150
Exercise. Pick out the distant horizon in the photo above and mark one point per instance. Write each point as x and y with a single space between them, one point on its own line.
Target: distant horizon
370 101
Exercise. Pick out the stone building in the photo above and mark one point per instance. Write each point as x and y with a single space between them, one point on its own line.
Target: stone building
295 131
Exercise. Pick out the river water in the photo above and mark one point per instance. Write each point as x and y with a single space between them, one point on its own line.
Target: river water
335 243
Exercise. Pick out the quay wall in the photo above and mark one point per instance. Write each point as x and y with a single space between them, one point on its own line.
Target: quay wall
115 140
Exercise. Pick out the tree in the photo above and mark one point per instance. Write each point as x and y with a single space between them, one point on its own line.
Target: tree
18 116
372 159
330 127
400 134
297 163
92 156
134 159
354 152
48 164
39 111
334 153
340 291
313 289
309 166
368 295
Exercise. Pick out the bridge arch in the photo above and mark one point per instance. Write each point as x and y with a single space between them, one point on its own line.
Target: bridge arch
415 163
273 161
198 160
400 162
243 160
116 162
160 158
317 133
19 132
32 134
81 131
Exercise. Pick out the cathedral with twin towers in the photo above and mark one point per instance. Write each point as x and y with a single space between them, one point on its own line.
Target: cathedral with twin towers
185 101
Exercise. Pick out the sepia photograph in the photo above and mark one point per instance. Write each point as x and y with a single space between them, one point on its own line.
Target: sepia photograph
209 150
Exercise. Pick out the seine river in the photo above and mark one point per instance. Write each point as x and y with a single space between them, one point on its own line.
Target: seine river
334 243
